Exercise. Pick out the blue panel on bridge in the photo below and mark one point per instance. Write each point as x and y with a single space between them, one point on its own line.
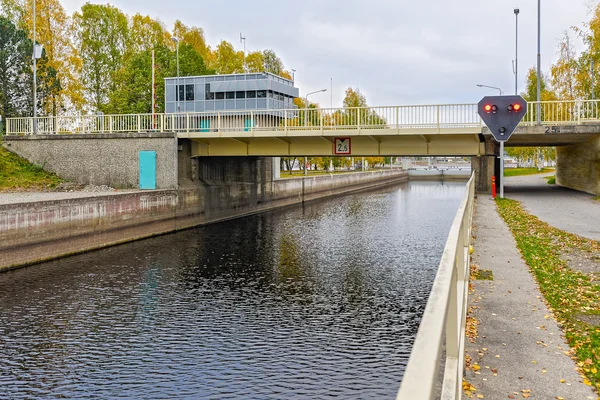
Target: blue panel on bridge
205 125
148 170
248 123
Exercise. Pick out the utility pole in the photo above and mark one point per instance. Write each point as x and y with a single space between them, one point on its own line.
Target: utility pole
244 40
539 64
34 74
516 50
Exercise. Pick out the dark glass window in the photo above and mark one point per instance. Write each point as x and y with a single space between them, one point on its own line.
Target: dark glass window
230 95
209 95
180 92
270 94
220 95
251 94
240 95
189 92
261 93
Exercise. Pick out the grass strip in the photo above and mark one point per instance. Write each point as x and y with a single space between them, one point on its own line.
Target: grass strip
525 171
570 294
17 173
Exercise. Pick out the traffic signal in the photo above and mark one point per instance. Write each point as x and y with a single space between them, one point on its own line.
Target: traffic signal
502 114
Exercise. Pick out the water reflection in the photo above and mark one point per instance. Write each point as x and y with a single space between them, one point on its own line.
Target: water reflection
307 302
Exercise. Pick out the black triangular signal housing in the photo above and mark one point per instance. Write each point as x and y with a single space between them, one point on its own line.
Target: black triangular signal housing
502 114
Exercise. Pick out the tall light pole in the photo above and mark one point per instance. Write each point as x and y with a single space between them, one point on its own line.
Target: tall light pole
243 39
34 75
539 63
306 123
177 86
491 87
516 50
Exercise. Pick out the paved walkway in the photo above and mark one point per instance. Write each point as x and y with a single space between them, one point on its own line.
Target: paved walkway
520 349
565 209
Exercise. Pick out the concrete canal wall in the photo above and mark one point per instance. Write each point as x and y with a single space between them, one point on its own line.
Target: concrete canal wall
42 230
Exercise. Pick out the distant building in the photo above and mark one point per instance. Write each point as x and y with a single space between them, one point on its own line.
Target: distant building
223 98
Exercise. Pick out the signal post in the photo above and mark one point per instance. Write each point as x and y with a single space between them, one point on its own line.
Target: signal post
502 114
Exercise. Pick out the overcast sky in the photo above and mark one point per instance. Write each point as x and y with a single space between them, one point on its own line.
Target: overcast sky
395 51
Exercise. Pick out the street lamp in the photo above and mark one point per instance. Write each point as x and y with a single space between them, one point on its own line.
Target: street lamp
516 49
177 86
306 123
491 87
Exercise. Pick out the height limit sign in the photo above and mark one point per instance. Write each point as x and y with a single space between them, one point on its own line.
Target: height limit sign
342 146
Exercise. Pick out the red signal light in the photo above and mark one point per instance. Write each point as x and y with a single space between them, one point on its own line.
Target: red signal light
487 108
517 107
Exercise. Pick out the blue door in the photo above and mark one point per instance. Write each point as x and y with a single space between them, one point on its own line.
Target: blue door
148 170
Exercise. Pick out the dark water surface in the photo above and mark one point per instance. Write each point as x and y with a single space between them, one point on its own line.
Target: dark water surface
308 302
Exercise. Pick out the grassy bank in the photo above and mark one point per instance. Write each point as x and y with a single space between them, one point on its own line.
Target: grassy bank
18 174
571 289
525 171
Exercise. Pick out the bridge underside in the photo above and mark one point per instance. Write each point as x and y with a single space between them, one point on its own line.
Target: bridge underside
363 144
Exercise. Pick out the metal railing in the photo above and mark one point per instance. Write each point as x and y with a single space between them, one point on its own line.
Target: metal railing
442 327
312 119
436 117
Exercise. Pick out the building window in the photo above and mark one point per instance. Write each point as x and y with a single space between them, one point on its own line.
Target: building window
270 94
261 93
189 92
220 95
209 95
230 95
180 92
251 94
240 95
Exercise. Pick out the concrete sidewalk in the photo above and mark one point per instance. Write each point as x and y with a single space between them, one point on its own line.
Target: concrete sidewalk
520 350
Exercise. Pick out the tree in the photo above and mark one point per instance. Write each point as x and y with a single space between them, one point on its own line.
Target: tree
15 70
357 111
272 63
146 33
54 30
102 36
255 62
228 61
133 81
564 72
194 36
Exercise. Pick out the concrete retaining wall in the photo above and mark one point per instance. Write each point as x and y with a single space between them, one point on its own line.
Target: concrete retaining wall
107 159
39 231
578 166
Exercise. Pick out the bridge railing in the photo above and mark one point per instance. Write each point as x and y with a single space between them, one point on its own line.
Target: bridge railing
572 112
439 116
442 328
312 119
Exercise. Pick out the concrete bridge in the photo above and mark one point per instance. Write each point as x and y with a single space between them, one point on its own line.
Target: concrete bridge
414 130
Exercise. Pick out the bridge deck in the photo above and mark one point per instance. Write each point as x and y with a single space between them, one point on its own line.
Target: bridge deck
447 129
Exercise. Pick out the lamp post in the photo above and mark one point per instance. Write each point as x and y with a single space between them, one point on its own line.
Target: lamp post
37 53
177 86
539 63
306 123
491 87
516 49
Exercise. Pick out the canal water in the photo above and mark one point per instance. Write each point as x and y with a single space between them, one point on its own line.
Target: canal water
315 301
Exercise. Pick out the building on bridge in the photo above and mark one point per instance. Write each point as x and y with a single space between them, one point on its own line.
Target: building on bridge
232 101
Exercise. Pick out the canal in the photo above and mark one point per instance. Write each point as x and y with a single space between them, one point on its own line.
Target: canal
308 302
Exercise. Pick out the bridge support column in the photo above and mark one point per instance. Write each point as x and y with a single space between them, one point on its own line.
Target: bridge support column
486 166
578 166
